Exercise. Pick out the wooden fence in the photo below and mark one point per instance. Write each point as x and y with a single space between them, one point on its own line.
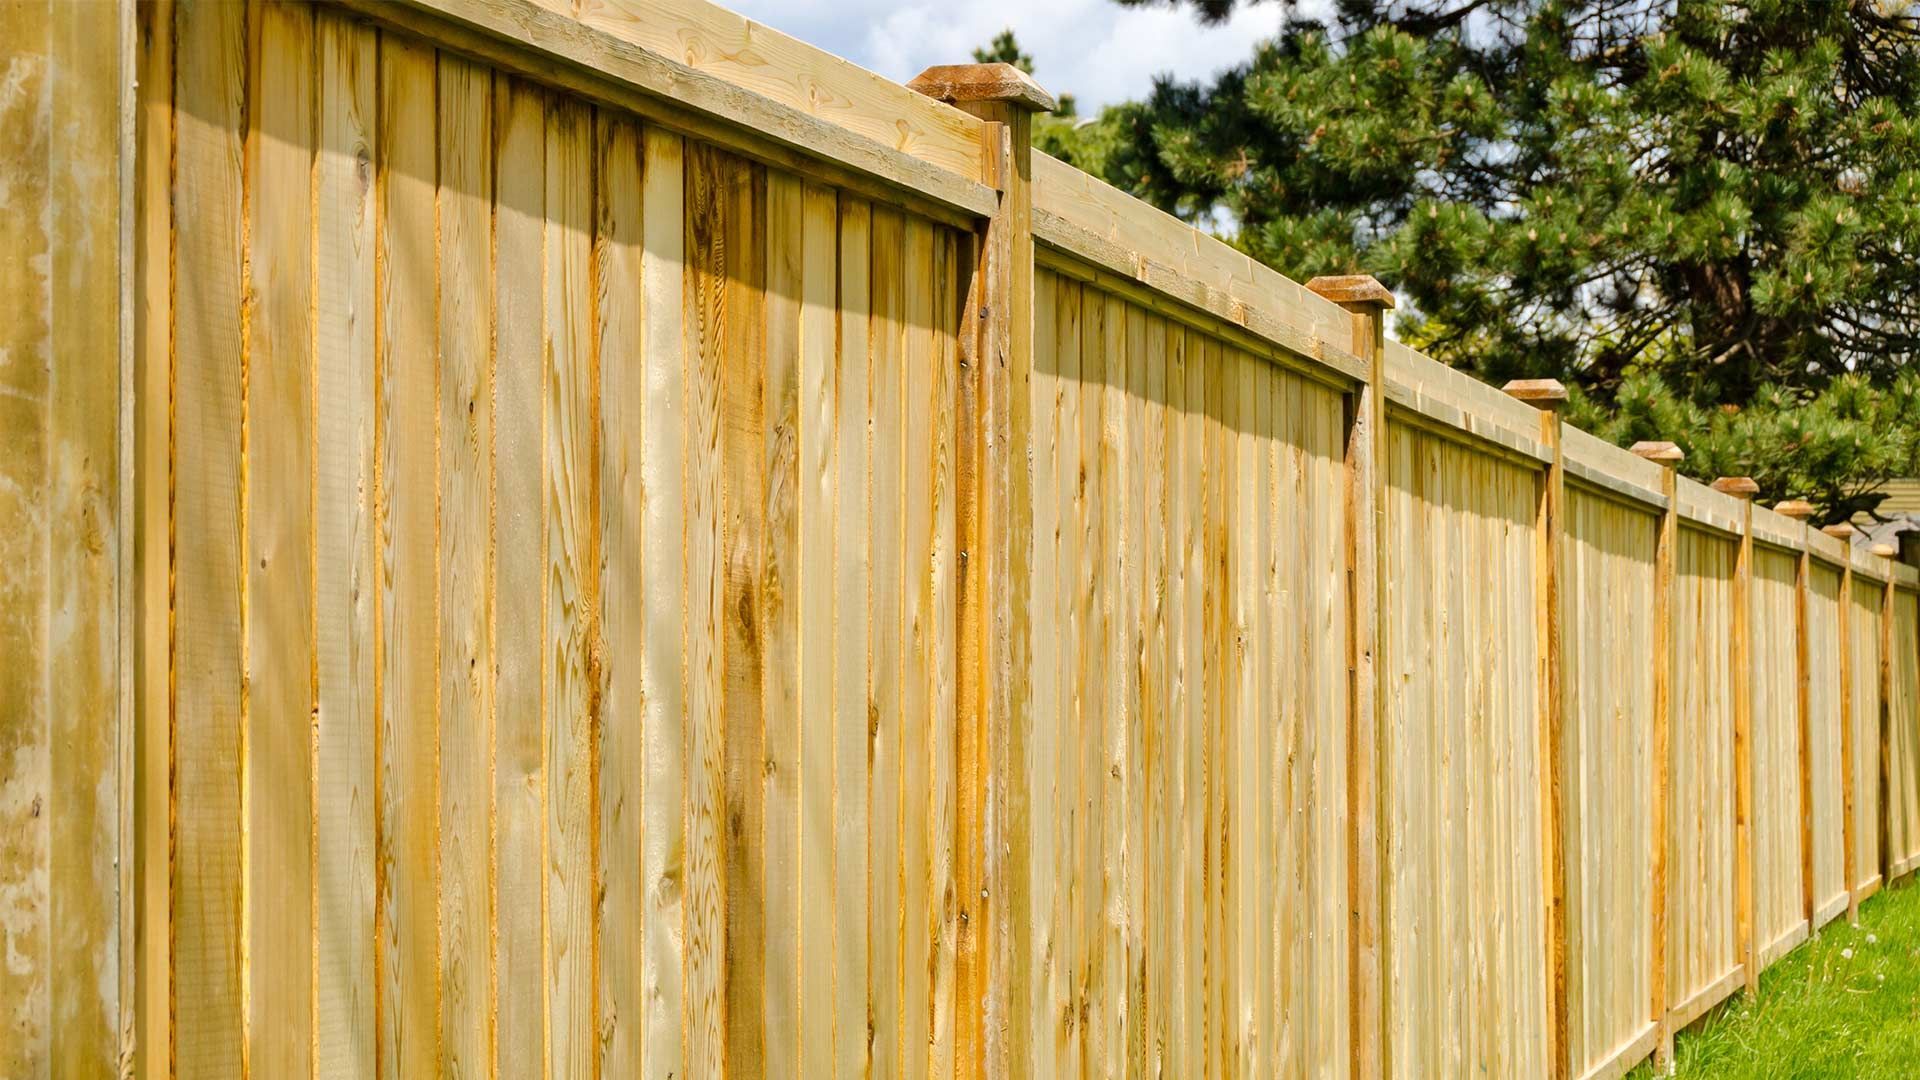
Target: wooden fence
606 541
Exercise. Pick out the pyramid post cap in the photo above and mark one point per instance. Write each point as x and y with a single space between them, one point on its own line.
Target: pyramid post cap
1356 289
1665 453
959 83
1797 509
1842 531
1740 487
1539 393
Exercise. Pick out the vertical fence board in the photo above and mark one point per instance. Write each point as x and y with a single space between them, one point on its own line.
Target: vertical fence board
520 572
1779 895
345 550
1608 597
779 597
153 257
708 220
565 666
852 484
620 865
1824 740
210 101
916 641
814 615
26 333
409 595
1864 654
666 675
279 585
1903 737
466 403
887 534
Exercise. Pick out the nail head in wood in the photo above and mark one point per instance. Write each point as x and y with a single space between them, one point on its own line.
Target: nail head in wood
1842 531
1665 453
1539 393
1740 487
1797 509
1885 551
1352 289
958 83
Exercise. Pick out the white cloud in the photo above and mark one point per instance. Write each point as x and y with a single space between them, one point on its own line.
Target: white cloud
1094 49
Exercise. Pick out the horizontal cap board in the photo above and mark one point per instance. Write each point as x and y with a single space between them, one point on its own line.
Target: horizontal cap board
1164 240
708 38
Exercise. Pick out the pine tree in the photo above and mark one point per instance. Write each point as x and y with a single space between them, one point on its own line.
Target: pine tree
1702 214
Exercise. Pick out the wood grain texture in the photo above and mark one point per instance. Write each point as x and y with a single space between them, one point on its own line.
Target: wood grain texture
665 680
815 559
852 683
620 798
625 517
1468 660
279 615
26 767
1864 647
153 538
573 649
1779 901
1824 742
1702 947
210 101
778 593
408 484
886 531
1903 736
1608 602
66 380
466 333
940 911
520 573
709 38
345 552
90 279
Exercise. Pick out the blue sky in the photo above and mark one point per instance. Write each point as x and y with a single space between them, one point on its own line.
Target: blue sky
1095 49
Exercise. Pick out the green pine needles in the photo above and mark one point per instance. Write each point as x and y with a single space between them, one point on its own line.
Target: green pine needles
1702 214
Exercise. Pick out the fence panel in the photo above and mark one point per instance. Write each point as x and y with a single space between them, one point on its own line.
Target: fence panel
1607 604
1903 738
617 474
1825 763
608 585
1864 629
1466 985
1702 950
1779 895
1187 755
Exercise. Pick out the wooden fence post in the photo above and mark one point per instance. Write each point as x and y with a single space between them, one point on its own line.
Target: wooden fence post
1743 488
1368 819
995 524
1800 510
1669 455
1844 533
1549 396
1885 820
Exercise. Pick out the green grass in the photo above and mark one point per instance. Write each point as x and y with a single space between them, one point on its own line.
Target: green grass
1846 1004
